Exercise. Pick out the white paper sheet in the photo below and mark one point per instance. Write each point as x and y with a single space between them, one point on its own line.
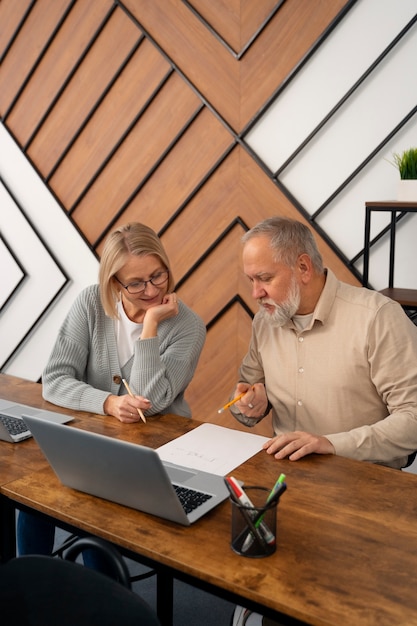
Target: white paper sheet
212 448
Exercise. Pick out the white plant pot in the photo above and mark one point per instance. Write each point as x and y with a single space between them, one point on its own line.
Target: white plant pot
407 191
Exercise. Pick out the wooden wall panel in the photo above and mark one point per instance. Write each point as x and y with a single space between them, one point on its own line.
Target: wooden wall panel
205 218
215 281
193 48
55 67
135 110
235 21
31 40
137 83
100 64
135 158
181 171
236 88
10 18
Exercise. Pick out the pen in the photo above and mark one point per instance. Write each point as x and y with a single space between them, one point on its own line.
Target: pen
248 518
129 391
226 406
243 498
277 489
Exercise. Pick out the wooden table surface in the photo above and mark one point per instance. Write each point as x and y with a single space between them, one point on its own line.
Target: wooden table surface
346 532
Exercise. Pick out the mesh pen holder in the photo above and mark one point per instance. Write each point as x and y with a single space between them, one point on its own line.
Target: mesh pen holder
254 528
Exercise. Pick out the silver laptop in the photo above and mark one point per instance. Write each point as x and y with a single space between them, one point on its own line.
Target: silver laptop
127 473
14 429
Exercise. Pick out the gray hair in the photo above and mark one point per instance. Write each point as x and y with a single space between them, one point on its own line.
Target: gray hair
289 238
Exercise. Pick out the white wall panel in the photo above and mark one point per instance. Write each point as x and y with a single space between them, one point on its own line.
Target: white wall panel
30 219
354 45
344 218
375 109
334 157
11 273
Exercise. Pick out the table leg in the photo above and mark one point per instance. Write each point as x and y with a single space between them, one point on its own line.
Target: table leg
165 598
7 530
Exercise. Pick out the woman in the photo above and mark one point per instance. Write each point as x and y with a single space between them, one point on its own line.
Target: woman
130 326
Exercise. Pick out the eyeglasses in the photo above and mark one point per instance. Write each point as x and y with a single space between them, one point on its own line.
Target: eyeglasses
139 286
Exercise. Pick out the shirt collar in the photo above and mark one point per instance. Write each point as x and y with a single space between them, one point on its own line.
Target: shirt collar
325 302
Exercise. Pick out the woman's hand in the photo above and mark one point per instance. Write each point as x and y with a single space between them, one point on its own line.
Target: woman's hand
156 314
125 408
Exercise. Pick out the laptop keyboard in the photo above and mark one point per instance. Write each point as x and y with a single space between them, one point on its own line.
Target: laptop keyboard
190 498
14 425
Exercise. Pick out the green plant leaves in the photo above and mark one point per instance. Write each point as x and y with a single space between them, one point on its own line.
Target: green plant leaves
407 163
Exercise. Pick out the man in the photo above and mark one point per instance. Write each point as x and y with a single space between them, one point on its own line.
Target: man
336 364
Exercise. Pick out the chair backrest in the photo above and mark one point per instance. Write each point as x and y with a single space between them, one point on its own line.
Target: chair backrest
411 459
111 561
46 591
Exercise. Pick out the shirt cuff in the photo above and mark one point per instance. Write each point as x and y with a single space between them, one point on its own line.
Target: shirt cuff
249 421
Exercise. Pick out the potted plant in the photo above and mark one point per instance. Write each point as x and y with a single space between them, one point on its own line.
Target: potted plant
406 163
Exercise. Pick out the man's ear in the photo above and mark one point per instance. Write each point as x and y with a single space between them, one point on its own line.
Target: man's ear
304 267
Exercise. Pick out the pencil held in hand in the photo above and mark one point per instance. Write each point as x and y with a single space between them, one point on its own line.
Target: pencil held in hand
129 391
226 406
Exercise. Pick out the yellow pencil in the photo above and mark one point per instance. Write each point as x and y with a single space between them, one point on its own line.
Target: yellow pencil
129 391
226 406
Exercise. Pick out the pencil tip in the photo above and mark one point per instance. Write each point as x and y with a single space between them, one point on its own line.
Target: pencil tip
220 411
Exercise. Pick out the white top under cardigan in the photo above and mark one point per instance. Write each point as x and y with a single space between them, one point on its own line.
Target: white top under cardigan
127 333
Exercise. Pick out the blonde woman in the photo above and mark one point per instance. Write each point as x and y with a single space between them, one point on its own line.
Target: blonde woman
131 326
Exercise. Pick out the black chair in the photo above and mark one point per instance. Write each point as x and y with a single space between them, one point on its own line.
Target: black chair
47 591
411 459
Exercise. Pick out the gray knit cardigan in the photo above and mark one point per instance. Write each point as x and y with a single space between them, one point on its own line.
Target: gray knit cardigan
83 369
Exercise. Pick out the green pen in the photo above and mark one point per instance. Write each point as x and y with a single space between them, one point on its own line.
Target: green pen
276 489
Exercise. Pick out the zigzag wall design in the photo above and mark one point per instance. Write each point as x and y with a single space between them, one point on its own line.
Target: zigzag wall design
199 122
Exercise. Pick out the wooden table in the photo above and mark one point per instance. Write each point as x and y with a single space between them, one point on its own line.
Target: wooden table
347 532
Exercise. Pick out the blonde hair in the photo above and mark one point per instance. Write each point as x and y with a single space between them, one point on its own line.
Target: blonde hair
289 238
134 238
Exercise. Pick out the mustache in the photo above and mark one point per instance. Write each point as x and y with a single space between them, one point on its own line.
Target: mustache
262 301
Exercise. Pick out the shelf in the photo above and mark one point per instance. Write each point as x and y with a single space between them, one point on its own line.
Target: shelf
406 297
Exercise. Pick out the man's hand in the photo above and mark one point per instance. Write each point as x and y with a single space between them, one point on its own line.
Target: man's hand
254 402
297 444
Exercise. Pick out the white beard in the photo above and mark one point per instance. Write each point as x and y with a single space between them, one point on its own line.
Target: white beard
283 312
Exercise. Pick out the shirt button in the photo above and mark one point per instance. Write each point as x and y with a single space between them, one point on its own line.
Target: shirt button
300 370
300 338
117 379
300 403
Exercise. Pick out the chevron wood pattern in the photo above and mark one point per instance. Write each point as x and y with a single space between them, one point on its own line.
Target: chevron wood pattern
135 110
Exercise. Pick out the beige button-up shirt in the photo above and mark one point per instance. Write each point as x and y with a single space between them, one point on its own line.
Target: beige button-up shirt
351 375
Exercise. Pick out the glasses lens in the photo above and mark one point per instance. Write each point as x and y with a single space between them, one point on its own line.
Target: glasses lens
136 287
159 279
